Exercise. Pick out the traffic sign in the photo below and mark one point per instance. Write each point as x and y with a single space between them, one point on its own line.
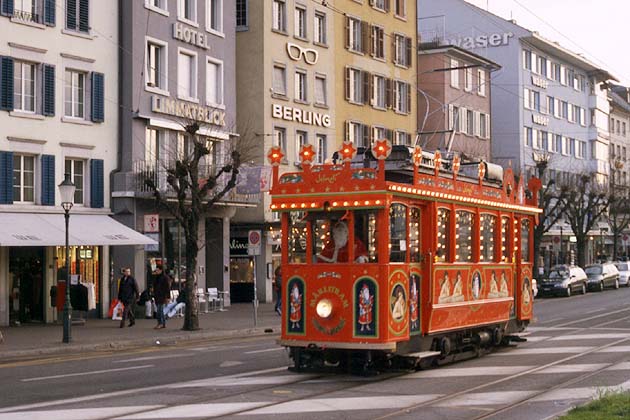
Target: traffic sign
253 242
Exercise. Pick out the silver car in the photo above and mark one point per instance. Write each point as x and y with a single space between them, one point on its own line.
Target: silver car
601 276
624 273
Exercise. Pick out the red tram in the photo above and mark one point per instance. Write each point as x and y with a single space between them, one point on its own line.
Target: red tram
399 252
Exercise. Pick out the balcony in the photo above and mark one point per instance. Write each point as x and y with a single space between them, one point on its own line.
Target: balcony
24 16
143 170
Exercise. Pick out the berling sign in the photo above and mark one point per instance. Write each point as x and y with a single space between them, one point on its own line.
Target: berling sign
190 36
298 115
187 110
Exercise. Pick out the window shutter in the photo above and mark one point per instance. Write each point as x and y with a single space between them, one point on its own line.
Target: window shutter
408 50
6 177
394 37
7 7
347 131
365 37
463 119
347 31
48 180
49 12
6 83
408 109
96 183
71 14
84 15
477 123
388 93
365 76
49 90
347 69
98 97
366 135
372 46
387 7
450 117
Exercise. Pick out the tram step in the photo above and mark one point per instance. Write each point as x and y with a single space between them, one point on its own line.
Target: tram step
423 354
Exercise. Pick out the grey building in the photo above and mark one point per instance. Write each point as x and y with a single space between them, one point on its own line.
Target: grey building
177 65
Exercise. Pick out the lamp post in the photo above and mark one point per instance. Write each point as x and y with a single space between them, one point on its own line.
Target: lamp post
66 191
602 230
561 240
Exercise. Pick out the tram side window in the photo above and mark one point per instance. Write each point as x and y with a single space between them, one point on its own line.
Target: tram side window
463 236
414 234
443 236
525 257
397 233
331 233
365 232
505 252
297 237
488 223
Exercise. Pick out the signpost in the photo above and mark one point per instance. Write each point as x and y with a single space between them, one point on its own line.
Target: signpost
254 239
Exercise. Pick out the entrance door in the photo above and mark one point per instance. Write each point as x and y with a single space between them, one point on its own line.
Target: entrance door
26 273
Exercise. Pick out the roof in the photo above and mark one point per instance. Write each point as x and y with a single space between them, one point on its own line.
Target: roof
458 52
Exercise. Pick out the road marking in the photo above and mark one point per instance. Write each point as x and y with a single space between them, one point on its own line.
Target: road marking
581 393
615 349
346 404
143 359
94 372
542 350
486 398
230 363
243 381
461 372
538 329
573 368
77 413
549 321
590 337
195 411
620 366
591 317
265 351
538 338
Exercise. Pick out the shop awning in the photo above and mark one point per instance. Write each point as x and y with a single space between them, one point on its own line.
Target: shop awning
39 229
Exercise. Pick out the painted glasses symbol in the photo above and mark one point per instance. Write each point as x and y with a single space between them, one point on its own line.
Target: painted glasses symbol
296 53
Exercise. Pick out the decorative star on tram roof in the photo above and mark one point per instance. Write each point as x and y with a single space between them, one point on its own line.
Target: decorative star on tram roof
456 165
348 151
382 149
306 153
275 156
417 155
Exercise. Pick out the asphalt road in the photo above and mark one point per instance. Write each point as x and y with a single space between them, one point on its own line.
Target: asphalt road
579 347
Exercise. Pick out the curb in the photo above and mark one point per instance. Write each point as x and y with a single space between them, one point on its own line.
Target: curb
144 342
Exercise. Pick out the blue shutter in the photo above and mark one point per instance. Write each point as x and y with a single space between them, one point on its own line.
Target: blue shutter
97 184
71 14
98 97
49 12
7 7
6 177
49 90
84 15
6 83
48 180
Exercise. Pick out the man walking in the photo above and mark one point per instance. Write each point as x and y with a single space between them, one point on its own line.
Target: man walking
162 293
128 294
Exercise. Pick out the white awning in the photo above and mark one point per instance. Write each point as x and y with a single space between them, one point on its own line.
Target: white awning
39 229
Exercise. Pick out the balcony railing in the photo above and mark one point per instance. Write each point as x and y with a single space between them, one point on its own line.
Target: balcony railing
26 16
143 170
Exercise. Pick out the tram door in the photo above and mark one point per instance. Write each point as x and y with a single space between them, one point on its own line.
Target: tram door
417 275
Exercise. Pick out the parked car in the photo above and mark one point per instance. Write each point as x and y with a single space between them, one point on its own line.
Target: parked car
563 280
601 276
624 273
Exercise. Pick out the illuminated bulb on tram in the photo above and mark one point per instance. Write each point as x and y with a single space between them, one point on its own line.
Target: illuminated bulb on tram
324 308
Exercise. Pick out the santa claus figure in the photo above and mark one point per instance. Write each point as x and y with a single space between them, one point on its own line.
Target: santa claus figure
295 315
336 249
366 303
413 304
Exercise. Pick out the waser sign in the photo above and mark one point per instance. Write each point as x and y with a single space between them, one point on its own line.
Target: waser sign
187 110
481 41
298 115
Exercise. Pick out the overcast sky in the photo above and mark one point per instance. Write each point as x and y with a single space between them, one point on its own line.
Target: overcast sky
598 29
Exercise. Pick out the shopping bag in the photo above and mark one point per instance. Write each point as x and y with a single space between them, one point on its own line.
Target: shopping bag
110 312
118 311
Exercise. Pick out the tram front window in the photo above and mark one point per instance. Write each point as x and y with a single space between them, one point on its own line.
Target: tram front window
331 234
297 237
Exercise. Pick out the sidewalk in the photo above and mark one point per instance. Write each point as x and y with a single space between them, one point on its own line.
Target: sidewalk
105 334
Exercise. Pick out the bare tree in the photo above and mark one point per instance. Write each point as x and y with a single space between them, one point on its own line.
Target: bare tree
196 188
618 216
584 204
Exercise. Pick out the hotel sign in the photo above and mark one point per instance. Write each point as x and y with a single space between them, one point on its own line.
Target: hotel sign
288 113
191 111
482 41
190 36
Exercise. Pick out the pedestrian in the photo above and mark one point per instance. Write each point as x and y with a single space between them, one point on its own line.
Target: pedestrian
128 294
146 299
278 289
162 295
172 308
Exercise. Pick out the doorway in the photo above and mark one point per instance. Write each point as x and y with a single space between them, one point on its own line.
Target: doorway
26 294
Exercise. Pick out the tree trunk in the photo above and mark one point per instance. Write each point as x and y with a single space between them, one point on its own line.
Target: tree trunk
191 319
581 242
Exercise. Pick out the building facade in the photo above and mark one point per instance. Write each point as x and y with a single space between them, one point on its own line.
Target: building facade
454 92
177 67
58 116
286 78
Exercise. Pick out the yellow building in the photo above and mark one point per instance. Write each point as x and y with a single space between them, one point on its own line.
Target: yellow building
375 88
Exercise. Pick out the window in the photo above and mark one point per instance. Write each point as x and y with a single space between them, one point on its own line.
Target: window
379 4
321 97
187 75
555 72
527 59
74 94
525 257
378 42
214 10
564 109
279 11
532 99
157 4
23 179
26 10
470 122
505 232
402 138
402 50
453 118
355 34
297 237
623 126
468 80
301 138
280 139
157 67
24 86
355 85
322 148
402 97
486 235
400 8
557 143
214 82
300 22
357 133
529 136
241 14
415 228
442 253
454 74
580 151
187 10
152 148
319 28
551 105
75 169
397 233
78 15
379 92
279 80
542 66
300 86
483 125
481 82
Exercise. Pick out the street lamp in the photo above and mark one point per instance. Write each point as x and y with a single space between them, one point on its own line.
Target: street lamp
66 191
602 230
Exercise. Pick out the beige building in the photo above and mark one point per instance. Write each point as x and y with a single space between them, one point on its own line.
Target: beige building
285 69
375 71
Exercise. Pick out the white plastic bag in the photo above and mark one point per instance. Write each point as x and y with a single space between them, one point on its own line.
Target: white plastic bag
118 311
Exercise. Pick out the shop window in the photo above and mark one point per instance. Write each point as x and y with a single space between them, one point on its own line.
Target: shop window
415 222
397 233
84 266
486 234
442 253
525 257
505 253
297 237
463 236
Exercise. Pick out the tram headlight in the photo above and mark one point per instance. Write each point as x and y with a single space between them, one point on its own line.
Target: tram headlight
324 308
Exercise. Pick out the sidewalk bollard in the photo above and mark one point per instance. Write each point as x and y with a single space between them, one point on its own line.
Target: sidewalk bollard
255 311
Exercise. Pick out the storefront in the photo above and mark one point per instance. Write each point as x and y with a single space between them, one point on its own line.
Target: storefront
242 268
